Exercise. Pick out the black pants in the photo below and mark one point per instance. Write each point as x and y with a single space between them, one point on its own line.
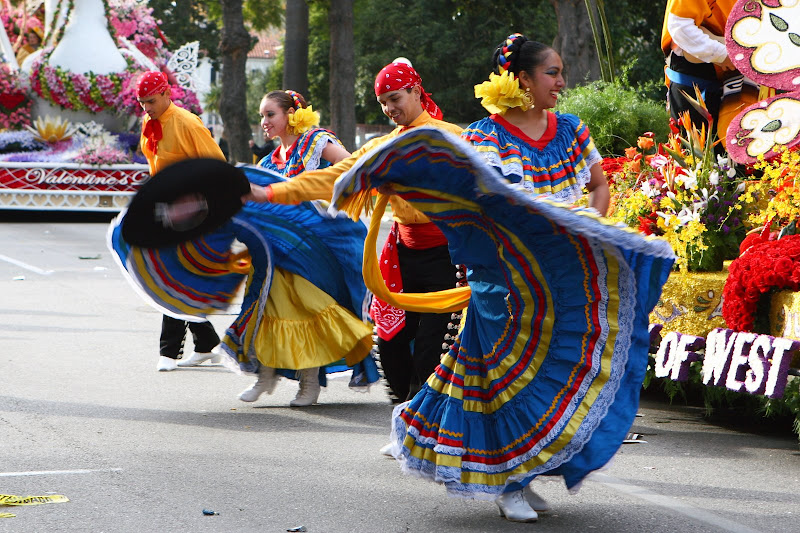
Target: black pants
676 100
406 371
173 333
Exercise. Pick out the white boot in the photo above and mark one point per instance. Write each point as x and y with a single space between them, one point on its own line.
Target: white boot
513 507
387 450
309 388
266 383
166 364
198 358
536 502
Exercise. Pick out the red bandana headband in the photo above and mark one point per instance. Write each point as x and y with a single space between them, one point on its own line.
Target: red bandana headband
399 75
150 83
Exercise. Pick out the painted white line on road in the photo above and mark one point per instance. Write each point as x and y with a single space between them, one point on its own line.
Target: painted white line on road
56 472
26 266
672 504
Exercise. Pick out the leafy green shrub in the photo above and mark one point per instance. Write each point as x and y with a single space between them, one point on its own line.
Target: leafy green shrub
616 115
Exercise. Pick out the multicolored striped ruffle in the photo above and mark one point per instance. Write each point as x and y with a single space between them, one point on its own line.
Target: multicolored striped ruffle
187 281
545 376
306 153
190 281
561 169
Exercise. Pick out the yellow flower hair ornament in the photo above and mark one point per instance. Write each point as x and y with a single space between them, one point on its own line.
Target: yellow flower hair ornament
501 93
302 120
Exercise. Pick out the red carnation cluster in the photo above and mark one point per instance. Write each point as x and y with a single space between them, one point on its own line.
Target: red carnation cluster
613 166
763 267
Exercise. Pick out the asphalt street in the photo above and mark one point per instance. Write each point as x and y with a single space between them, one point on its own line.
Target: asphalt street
84 414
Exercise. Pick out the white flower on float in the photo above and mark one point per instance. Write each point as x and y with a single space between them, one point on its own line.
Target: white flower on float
52 129
689 180
731 172
648 190
686 215
668 217
713 178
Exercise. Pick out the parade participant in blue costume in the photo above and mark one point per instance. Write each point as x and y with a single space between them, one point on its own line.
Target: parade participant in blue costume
548 153
303 146
305 303
544 377
305 298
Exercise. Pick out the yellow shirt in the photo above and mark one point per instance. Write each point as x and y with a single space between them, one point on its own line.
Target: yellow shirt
318 184
184 137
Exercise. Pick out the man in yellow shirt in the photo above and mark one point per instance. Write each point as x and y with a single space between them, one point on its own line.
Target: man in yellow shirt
171 134
415 257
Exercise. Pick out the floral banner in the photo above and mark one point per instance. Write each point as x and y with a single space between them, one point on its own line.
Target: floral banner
740 361
71 177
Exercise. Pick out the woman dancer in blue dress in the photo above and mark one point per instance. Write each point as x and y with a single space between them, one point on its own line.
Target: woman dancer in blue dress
303 146
544 377
305 301
547 152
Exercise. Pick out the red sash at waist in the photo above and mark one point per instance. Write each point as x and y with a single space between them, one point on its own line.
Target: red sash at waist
421 236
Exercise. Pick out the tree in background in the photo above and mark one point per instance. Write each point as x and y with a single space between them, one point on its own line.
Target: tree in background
343 72
636 36
235 43
295 49
451 42
576 47
184 21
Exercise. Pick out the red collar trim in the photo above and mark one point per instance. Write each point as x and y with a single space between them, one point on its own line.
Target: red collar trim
544 140
276 153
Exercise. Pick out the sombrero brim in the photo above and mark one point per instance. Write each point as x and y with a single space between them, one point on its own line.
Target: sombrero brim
214 184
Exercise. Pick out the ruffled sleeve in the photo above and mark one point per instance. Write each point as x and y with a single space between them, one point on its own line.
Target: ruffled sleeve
310 147
560 168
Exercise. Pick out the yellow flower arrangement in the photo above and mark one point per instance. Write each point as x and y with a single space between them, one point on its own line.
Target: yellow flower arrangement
685 239
500 93
302 120
777 195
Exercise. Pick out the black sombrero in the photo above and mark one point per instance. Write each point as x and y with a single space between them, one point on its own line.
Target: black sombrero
184 201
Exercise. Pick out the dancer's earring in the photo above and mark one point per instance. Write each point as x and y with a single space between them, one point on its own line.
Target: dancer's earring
527 99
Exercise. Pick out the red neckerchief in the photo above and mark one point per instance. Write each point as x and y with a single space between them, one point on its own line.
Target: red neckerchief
153 134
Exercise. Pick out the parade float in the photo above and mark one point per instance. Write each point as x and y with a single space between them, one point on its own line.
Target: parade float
728 321
69 120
